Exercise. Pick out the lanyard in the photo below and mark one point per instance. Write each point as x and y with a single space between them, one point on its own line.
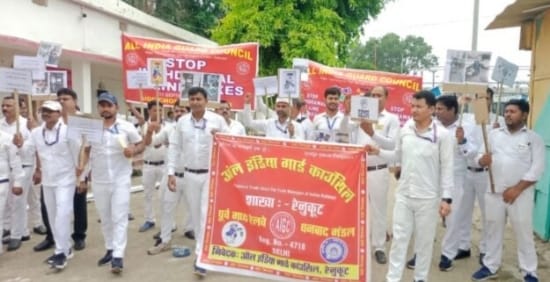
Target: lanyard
56 135
432 140
113 129
331 124
199 125
281 129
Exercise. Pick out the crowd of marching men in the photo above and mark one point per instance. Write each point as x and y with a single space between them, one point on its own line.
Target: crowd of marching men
445 166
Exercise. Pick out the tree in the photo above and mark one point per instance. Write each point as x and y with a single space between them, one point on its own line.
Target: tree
393 54
317 29
197 16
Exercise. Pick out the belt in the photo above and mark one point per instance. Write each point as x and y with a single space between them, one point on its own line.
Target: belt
153 163
196 171
179 174
4 180
478 169
25 166
376 167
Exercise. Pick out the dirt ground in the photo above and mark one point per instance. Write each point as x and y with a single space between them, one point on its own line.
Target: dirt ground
27 265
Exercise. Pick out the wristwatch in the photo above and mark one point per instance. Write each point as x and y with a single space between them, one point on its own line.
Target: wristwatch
447 200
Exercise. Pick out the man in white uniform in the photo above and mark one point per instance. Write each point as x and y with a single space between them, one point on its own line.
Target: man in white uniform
475 186
235 127
15 215
171 197
281 127
153 166
331 126
383 135
298 113
57 168
425 150
192 141
465 147
111 178
517 161
10 171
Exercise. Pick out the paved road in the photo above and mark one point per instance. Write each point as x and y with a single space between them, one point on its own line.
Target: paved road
27 265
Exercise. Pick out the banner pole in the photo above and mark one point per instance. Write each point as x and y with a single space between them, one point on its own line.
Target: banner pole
17 111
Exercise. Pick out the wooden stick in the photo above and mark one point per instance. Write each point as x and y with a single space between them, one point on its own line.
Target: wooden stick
82 153
29 107
486 142
16 98
499 86
158 106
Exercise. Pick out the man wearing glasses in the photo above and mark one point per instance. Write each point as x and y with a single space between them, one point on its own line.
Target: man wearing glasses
425 150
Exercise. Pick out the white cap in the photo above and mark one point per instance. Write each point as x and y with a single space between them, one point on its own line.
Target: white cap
52 105
283 100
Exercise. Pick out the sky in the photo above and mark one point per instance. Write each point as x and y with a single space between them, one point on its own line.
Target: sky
447 24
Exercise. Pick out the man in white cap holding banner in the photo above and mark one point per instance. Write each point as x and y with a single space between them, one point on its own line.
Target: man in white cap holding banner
57 169
281 127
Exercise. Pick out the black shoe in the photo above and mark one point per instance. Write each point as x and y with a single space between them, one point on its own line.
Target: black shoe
5 233
106 258
50 259
6 240
157 242
44 245
40 230
116 265
411 263
59 261
79 245
380 257
462 254
14 244
481 256
445 264
130 217
25 238
189 235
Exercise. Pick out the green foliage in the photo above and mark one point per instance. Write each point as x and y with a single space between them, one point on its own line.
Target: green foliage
197 16
393 54
317 29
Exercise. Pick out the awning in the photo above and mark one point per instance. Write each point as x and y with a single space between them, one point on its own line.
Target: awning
518 12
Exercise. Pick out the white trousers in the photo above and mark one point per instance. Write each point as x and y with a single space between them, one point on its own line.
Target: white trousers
170 201
420 216
4 191
59 203
112 201
377 187
196 191
34 212
151 175
451 240
19 216
475 186
521 216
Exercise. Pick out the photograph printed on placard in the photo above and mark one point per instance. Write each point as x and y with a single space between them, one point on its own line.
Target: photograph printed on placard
289 83
212 84
455 67
41 86
477 66
50 52
57 80
188 80
157 71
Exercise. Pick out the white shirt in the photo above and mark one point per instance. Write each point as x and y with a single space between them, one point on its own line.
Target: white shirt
107 158
25 152
272 127
307 126
152 152
515 156
10 163
58 154
478 136
426 161
385 134
163 138
336 127
466 151
192 141
236 128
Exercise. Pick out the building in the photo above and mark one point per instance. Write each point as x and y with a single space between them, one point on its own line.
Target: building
90 34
